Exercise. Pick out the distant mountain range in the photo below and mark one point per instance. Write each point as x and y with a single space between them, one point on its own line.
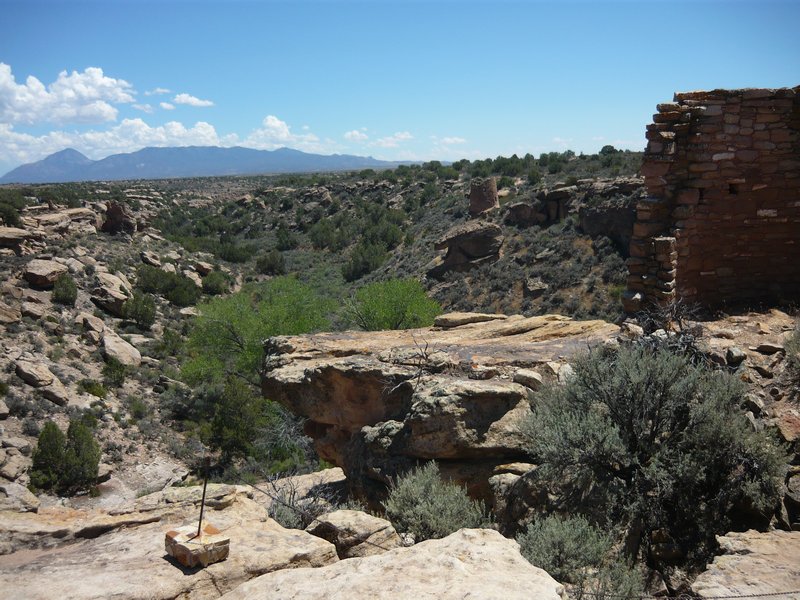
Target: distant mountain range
191 161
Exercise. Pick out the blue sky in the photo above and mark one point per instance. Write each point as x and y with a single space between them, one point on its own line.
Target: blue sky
395 80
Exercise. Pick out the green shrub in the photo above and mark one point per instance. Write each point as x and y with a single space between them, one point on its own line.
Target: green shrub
364 258
574 551
141 309
48 457
393 304
114 373
216 283
95 388
183 291
656 442
285 240
138 409
3 388
66 464
271 263
65 291
423 504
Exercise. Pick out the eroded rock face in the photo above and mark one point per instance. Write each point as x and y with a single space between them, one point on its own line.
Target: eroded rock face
117 348
753 563
119 219
468 245
111 293
122 555
471 563
377 403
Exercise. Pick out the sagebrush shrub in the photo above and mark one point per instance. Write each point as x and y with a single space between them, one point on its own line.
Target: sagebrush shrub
655 441
422 503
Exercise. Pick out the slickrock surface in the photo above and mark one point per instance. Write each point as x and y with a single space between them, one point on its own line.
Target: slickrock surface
471 563
121 555
754 563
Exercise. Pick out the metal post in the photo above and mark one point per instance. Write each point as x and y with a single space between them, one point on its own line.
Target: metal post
207 464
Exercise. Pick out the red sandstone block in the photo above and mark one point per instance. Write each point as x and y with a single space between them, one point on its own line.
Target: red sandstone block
702 167
767 118
747 155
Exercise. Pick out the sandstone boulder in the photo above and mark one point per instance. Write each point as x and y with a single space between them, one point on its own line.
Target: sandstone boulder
471 563
117 348
150 258
122 555
753 563
355 533
4 412
457 319
34 373
16 497
111 293
9 314
43 273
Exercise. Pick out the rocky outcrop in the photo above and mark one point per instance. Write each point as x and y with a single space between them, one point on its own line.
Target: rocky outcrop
14 238
43 273
482 195
753 563
604 207
119 219
121 555
377 403
471 563
34 373
9 314
355 533
468 245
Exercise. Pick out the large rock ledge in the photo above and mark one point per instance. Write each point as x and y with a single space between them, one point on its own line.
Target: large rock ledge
471 563
124 555
377 403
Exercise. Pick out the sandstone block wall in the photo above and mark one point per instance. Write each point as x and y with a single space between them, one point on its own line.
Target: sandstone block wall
721 223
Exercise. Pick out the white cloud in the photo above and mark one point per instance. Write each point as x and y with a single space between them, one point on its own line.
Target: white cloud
159 91
355 136
75 97
392 141
275 133
191 100
449 141
143 107
128 136
167 106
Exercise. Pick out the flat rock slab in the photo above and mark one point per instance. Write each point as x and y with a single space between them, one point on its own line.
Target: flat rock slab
753 563
471 563
131 563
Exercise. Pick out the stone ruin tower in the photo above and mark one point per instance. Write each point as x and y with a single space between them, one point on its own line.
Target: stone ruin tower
482 196
721 223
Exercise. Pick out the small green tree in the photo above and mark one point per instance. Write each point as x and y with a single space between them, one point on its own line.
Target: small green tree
393 304
81 457
364 258
48 458
65 290
227 335
423 504
114 372
141 309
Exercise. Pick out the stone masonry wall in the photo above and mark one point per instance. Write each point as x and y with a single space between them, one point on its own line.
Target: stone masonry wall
721 223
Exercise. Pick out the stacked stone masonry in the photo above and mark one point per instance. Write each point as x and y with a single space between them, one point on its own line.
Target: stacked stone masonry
721 223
